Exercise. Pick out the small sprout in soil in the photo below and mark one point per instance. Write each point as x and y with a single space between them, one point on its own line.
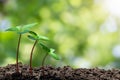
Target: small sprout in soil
40 39
37 38
20 30
49 51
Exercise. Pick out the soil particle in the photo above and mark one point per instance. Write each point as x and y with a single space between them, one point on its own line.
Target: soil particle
60 73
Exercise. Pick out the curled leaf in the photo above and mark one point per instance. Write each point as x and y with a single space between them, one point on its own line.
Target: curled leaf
33 33
55 56
31 37
44 47
38 37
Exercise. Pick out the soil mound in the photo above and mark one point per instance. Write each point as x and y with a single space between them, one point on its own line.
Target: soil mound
52 73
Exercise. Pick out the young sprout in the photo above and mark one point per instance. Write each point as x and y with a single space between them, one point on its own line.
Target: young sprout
20 30
37 38
49 51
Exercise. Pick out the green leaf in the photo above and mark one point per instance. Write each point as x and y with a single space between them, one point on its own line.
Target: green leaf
22 29
14 29
55 56
43 38
33 33
38 37
28 26
45 47
31 37
25 28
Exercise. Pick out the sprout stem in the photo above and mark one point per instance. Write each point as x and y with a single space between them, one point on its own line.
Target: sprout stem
30 70
43 61
17 68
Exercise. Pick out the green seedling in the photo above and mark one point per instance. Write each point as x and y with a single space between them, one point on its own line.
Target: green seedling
49 51
20 30
37 38
40 39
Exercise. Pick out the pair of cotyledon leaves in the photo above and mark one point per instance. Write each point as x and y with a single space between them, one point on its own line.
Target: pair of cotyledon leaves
34 36
22 28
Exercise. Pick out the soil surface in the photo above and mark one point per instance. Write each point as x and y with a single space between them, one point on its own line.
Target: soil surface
52 73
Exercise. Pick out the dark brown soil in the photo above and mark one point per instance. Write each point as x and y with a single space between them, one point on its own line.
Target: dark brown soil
51 73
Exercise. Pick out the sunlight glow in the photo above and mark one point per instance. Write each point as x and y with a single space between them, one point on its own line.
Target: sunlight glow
81 63
112 6
109 25
116 51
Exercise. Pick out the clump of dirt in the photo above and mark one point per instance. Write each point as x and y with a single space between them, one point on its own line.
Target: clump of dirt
52 73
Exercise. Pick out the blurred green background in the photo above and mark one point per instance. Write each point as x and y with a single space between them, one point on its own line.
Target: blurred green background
85 33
